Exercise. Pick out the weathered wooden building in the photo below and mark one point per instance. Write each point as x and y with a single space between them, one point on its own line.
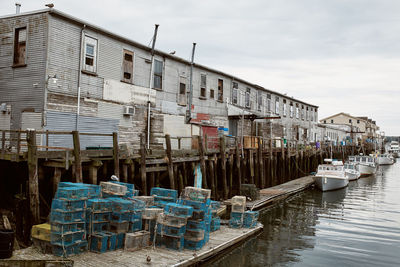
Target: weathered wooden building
49 60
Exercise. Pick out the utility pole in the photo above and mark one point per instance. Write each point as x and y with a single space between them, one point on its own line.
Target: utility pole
150 85
189 116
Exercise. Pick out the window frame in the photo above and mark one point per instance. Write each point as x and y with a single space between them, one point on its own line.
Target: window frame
277 108
16 46
203 87
159 75
259 101
131 53
220 93
91 69
247 101
235 93
284 108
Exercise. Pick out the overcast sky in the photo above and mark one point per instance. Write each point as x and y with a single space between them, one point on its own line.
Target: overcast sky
342 55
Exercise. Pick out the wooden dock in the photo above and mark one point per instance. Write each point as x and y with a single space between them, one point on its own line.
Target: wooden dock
269 196
220 240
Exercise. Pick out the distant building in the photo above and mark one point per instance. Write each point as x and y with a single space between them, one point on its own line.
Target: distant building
360 127
49 60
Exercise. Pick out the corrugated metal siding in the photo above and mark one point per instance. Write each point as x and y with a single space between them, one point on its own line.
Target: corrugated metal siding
23 87
60 121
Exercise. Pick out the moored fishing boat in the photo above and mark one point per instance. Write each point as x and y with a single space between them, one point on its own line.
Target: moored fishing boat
331 176
366 164
350 169
384 159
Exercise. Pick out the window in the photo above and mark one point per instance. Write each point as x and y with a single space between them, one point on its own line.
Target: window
284 108
269 106
158 71
259 101
358 121
324 121
203 85
277 105
297 111
90 51
220 90
212 93
302 112
20 46
291 110
307 114
331 121
235 92
182 91
127 67
349 120
247 98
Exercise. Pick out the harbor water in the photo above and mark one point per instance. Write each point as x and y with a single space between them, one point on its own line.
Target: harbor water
355 226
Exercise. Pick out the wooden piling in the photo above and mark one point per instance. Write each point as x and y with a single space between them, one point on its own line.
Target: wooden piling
56 179
33 178
169 163
143 164
238 170
202 163
223 166
261 163
116 154
78 159
212 178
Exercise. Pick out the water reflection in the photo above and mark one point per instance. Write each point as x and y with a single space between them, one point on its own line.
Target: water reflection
355 226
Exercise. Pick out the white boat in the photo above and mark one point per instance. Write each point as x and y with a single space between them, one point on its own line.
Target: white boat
384 159
394 149
331 176
350 169
366 164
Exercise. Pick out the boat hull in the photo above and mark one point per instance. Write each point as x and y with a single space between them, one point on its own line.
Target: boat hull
366 169
326 183
384 161
352 175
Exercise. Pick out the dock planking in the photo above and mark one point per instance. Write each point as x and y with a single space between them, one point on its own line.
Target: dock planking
219 241
270 195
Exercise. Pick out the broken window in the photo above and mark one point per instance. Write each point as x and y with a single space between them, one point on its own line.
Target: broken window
182 91
277 105
20 46
127 67
220 90
203 85
235 92
90 51
259 101
247 98
291 110
158 71
212 93
269 103
284 108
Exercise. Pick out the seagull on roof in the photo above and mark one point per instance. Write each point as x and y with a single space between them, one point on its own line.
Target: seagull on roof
51 5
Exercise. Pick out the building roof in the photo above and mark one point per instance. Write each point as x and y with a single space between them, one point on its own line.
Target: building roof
66 16
342 113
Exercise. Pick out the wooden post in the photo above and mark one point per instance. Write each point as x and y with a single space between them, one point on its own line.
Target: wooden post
116 154
260 164
180 177
125 170
238 170
179 143
18 143
47 140
212 178
282 165
77 155
33 178
143 164
93 168
223 166
215 159
169 163
3 143
56 179
289 170
205 144
202 162
231 170
271 164
251 165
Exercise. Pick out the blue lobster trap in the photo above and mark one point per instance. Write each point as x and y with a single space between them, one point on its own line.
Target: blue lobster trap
66 251
67 239
60 228
72 193
163 192
170 230
67 216
194 245
99 242
178 210
170 242
68 205
99 204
